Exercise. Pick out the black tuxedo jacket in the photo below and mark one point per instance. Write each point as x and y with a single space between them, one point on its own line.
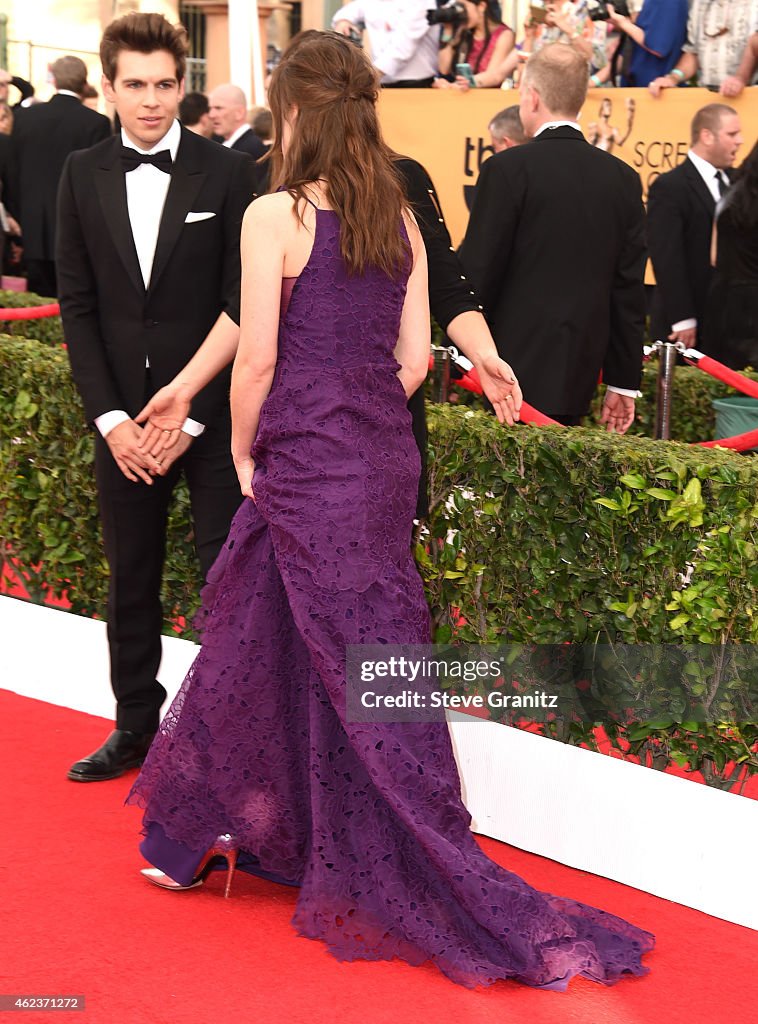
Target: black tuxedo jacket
680 211
555 249
112 323
8 175
44 136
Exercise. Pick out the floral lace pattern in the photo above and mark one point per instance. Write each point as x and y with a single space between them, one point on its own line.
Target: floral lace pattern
366 818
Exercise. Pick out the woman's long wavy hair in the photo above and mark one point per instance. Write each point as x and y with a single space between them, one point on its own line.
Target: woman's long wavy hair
336 139
743 196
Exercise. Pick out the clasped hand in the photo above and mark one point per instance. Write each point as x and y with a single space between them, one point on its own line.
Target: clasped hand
142 453
134 457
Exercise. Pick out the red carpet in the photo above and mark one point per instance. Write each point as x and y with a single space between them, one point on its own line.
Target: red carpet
79 919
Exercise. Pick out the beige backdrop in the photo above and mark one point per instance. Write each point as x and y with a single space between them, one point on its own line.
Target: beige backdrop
447 132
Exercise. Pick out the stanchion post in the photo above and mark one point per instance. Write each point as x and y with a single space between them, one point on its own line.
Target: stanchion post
667 354
440 374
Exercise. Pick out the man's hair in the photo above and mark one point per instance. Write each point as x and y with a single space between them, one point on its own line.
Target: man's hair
507 125
263 124
192 108
89 92
143 33
709 117
69 73
560 74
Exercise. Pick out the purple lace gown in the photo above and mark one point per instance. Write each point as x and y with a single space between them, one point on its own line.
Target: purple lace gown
366 819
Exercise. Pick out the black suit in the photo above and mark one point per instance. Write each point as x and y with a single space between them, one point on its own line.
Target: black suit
680 210
249 143
112 325
555 249
44 135
8 185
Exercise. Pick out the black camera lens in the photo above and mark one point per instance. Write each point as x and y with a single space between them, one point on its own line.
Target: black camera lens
452 13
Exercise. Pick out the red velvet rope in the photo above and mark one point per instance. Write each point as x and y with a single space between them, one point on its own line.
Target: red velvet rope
739 443
470 382
30 312
731 377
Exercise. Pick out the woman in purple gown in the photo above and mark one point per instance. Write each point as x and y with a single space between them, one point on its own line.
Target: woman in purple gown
257 760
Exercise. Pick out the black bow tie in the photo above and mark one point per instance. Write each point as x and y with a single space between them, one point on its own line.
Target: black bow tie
131 159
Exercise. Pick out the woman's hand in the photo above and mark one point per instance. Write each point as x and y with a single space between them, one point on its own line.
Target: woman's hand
560 19
501 387
165 412
245 468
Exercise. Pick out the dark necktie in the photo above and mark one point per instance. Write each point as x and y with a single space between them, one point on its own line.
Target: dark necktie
723 186
131 159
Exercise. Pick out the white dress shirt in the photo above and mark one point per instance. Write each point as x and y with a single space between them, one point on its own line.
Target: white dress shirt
709 174
404 46
575 124
146 191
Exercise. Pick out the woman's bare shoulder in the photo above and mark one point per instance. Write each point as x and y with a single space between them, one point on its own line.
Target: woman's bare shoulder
269 209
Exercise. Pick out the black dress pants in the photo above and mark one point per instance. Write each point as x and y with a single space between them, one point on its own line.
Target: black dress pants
134 518
41 278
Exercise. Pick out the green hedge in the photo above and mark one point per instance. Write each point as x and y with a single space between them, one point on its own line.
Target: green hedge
546 536
549 536
48 500
47 329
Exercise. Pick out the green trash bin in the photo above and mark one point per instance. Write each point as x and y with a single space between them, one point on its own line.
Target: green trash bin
735 415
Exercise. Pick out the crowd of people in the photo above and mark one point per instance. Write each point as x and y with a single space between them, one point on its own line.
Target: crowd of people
465 44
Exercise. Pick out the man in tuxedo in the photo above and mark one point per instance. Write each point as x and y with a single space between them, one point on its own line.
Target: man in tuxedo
680 210
555 249
148 255
228 113
44 135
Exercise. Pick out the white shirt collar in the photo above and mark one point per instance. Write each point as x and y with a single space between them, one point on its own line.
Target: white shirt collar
708 173
68 92
236 135
170 141
556 124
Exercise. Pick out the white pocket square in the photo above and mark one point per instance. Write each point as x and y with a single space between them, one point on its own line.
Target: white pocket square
193 218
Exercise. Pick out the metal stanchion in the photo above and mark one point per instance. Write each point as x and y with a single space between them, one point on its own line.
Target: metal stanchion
440 374
667 353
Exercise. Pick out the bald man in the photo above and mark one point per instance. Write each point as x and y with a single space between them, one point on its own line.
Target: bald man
228 113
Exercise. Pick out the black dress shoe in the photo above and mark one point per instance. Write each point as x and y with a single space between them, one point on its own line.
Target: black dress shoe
120 752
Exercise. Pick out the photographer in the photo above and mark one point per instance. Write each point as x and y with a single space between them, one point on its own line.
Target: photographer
478 38
404 46
657 36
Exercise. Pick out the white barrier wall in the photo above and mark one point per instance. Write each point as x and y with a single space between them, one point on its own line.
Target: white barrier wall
659 833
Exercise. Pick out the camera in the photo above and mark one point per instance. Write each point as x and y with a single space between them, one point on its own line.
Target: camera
598 10
538 11
451 13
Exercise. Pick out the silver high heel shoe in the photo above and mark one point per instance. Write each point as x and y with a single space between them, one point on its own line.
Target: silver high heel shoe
224 846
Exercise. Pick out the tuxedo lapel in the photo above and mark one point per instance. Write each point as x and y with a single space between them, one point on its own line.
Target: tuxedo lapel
696 182
110 184
187 179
